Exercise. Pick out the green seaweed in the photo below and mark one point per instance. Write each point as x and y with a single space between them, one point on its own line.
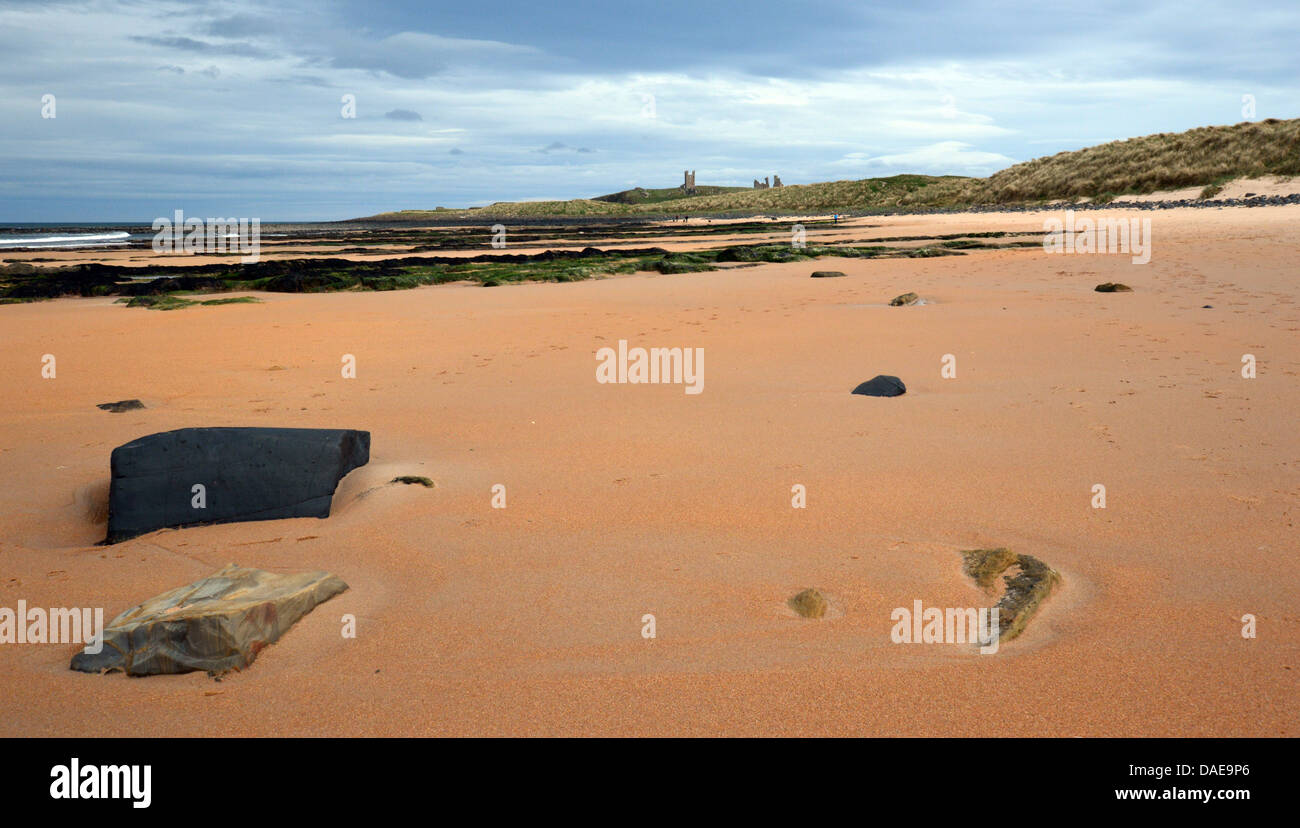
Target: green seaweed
414 481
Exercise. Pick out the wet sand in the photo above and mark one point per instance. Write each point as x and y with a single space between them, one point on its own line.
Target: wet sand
624 500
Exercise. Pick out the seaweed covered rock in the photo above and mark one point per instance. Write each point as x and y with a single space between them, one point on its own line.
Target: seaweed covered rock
1025 590
220 475
218 623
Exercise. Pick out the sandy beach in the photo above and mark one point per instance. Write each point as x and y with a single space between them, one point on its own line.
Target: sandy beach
627 500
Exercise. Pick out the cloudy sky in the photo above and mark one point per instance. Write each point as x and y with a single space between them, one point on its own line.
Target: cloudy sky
240 108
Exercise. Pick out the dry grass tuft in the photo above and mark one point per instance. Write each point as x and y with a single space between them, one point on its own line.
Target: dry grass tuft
810 603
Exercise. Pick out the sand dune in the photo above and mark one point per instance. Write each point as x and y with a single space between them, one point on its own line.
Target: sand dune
624 500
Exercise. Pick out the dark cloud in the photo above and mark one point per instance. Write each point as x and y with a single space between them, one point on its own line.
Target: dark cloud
560 146
417 55
306 80
379 56
241 25
202 47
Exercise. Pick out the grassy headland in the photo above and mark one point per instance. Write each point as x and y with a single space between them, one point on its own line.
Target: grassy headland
1203 157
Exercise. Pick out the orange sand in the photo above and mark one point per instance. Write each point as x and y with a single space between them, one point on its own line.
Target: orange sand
633 499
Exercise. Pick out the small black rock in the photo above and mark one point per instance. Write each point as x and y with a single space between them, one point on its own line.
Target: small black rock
881 386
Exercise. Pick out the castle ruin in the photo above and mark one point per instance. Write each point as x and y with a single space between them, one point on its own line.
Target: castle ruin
688 182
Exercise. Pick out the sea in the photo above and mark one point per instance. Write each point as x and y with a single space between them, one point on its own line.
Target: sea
31 236
66 236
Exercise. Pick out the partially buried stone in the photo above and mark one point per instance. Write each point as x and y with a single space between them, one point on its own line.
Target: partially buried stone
905 299
218 623
121 406
1112 287
826 274
194 476
881 386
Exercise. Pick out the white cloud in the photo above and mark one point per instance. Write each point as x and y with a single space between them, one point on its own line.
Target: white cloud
949 156
267 120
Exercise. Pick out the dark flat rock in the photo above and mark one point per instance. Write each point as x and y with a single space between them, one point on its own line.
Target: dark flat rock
881 386
218 623
904 299
247 474
1112 287
826 274
121 405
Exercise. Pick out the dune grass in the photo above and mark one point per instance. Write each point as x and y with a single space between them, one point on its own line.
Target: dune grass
1166 161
